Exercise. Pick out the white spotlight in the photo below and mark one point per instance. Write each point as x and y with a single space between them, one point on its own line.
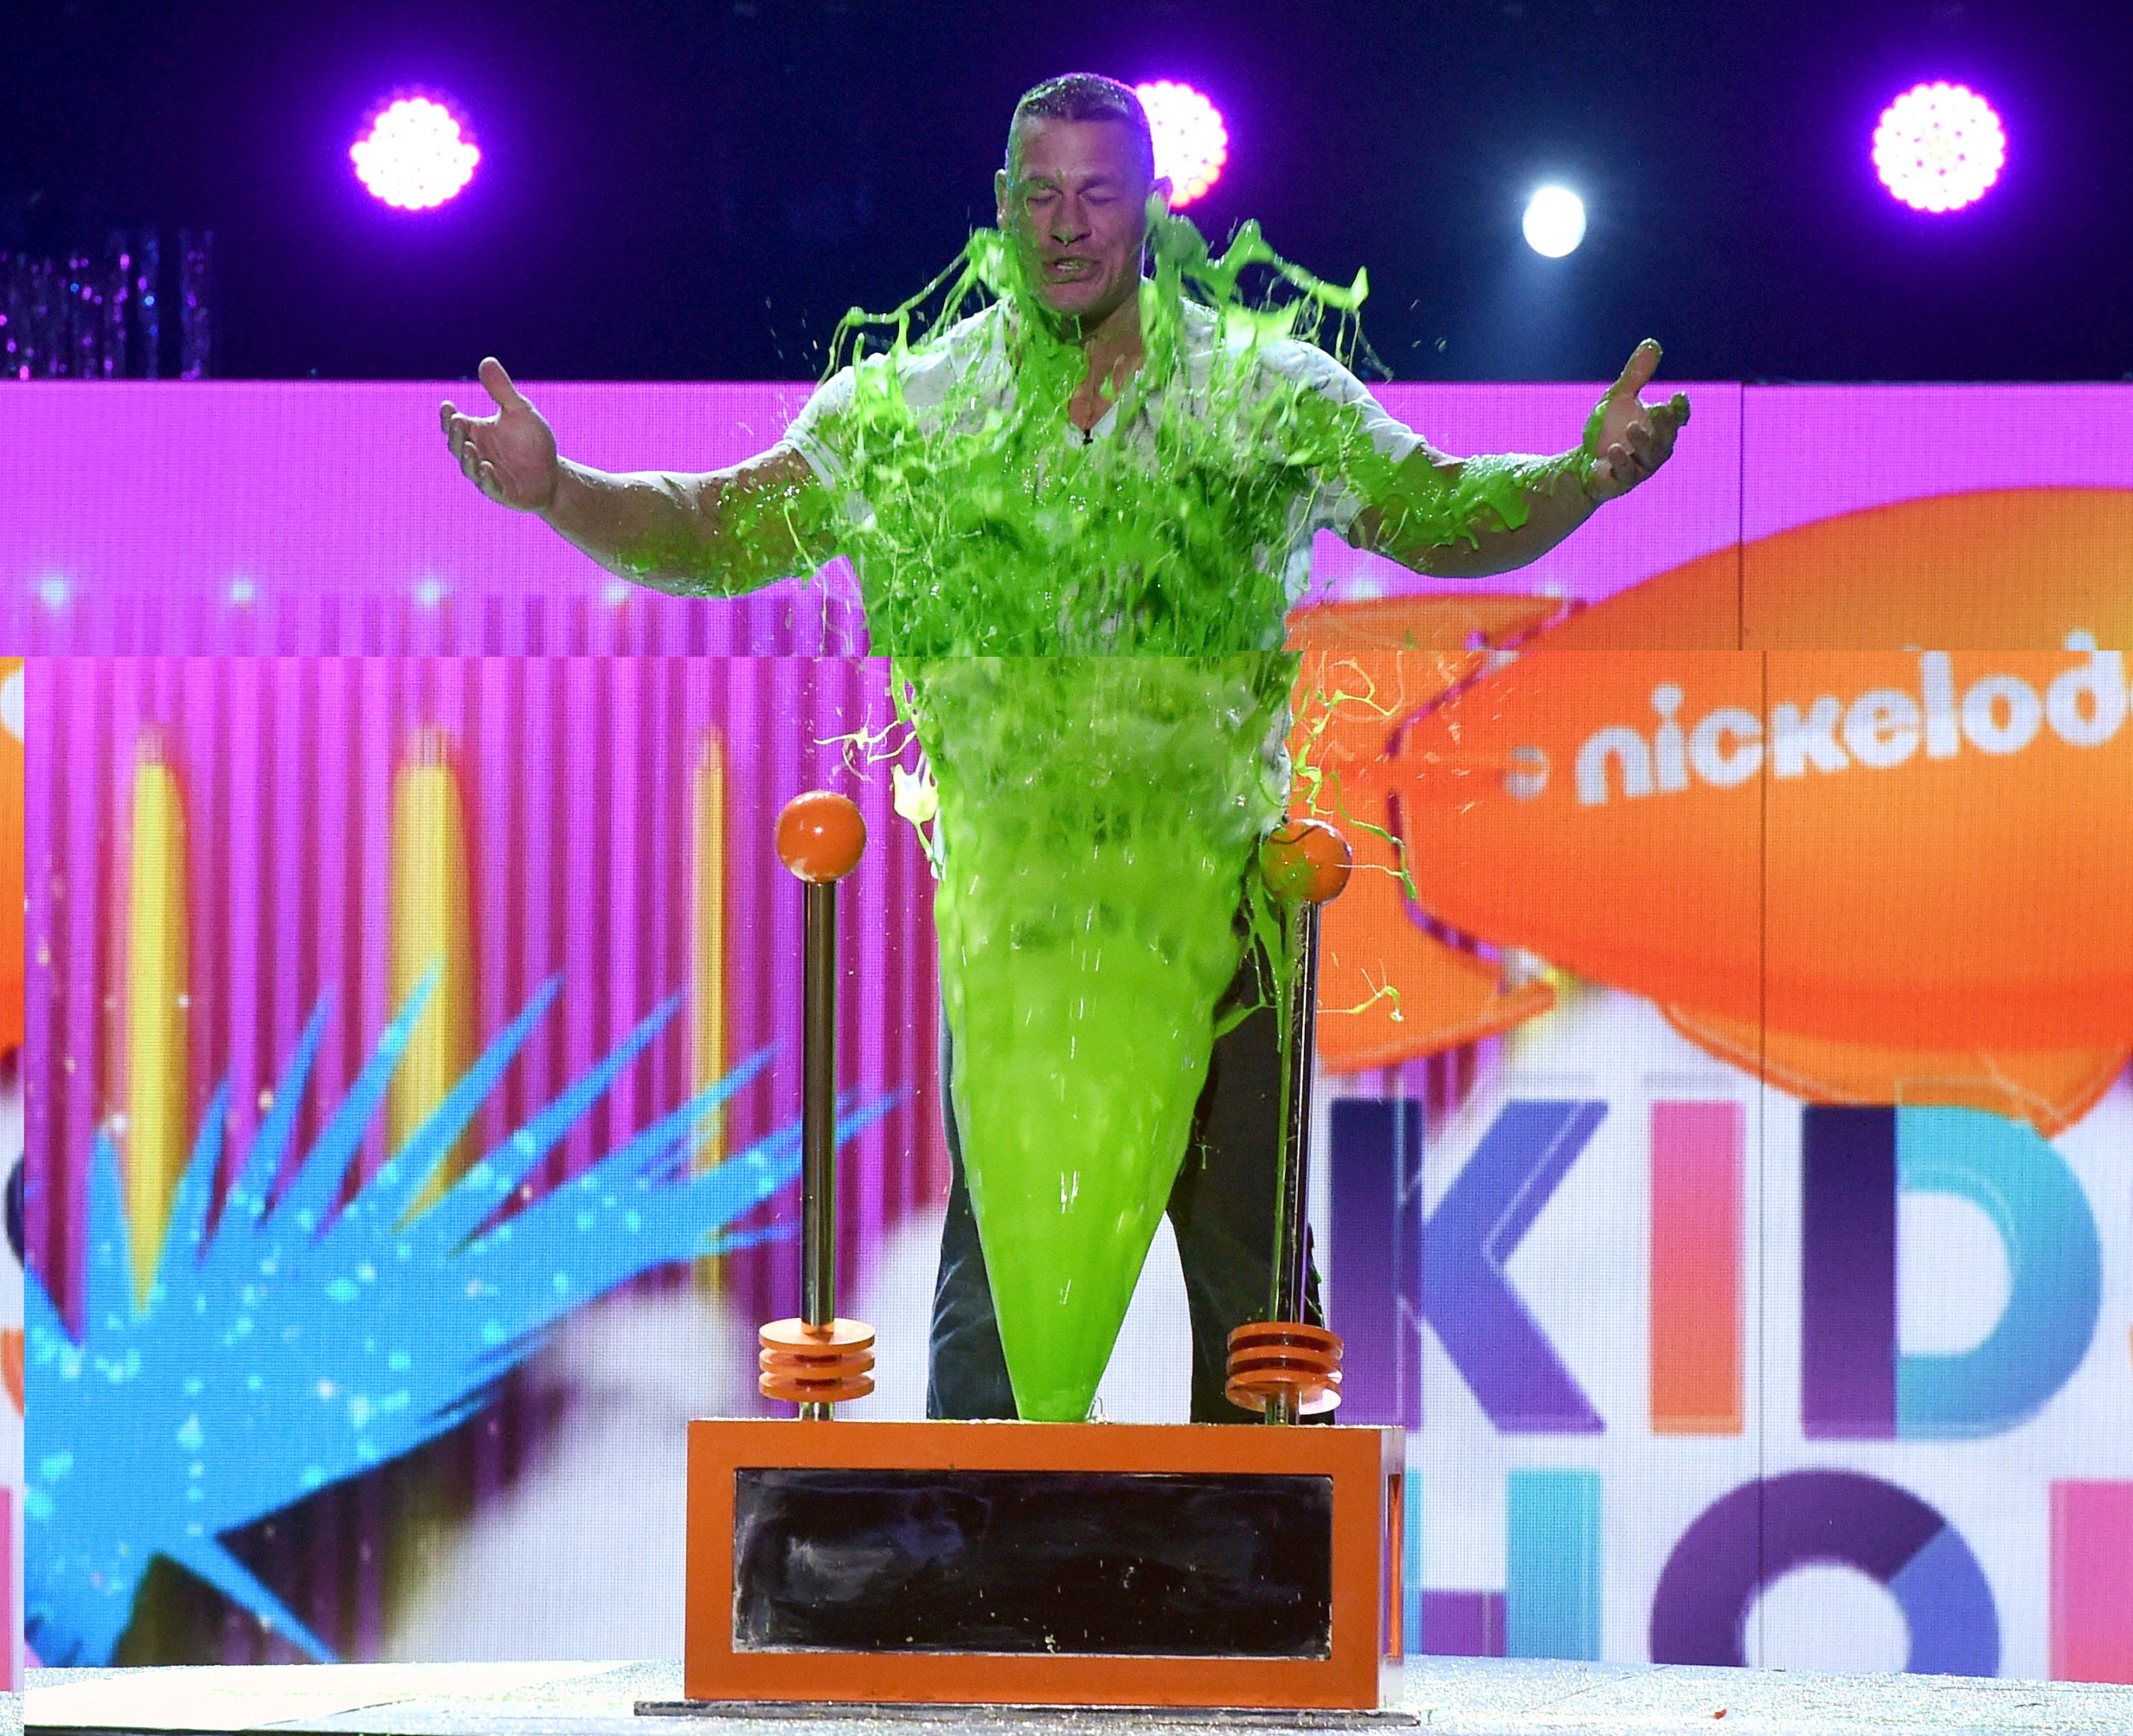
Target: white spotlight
1554 222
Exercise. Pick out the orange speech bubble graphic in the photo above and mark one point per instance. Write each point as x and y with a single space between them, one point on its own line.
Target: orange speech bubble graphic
1873 876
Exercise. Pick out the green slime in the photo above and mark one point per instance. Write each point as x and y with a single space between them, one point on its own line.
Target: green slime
1088 643
1087 923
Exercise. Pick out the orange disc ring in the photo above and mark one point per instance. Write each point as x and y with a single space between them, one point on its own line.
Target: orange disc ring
1269 1357
816 1365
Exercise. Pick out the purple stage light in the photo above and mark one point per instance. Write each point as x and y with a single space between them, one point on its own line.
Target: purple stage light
415 156
1938 146
1191 143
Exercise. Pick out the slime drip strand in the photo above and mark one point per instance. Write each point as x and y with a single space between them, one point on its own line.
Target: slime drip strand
1087 640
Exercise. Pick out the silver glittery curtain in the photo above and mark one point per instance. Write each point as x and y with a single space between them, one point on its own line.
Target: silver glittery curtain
100 315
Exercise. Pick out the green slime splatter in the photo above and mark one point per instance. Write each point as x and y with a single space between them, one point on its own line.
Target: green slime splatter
1088 641
1087 922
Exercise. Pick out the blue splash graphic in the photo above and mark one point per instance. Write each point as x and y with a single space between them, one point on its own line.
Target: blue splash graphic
290 1346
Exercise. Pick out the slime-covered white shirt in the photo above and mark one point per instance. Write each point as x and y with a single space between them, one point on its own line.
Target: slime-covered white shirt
978 345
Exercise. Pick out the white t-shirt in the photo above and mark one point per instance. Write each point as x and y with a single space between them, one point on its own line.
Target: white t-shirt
978 345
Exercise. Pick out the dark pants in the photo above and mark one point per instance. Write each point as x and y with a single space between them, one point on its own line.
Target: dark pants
1222 1208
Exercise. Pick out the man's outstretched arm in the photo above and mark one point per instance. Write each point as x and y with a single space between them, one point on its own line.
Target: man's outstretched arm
717 533
1514 511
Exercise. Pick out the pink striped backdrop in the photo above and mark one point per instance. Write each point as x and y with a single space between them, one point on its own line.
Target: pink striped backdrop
589 618
576 778
284 518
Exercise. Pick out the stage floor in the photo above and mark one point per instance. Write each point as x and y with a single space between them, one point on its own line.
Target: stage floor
1458 1697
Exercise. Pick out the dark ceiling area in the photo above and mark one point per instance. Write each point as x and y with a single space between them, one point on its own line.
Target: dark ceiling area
699 188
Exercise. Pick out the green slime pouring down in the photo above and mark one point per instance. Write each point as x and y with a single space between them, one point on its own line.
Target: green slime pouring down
1088 642
1086 913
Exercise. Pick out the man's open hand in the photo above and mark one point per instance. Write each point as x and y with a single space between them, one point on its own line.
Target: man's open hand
1627 439
510 456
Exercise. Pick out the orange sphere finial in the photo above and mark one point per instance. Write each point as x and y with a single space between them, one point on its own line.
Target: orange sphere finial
821 836
1306 861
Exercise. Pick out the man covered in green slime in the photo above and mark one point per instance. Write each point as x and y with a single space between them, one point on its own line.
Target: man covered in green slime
1079 516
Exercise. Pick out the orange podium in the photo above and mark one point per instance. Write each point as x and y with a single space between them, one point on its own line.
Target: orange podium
1336 1492
1217 1566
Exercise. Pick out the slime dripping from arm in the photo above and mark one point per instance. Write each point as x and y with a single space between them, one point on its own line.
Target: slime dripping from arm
1466 518
718 533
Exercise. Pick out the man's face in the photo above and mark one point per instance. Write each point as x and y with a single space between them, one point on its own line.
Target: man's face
1074 196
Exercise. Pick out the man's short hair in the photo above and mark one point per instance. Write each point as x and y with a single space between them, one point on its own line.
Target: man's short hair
1087 96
